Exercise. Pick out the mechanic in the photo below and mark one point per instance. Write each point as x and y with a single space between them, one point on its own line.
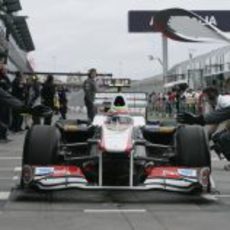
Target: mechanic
90 89
48 93
18 91
32 93
220 114
216 102
63 101
9 101
5 84
220 105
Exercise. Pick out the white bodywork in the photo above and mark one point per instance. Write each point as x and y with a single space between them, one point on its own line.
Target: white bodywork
118 123
100 119
117 137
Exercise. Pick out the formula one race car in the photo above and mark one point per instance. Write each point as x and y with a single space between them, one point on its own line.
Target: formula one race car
119 150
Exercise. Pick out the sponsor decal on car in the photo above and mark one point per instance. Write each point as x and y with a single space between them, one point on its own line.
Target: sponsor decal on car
58 171
187 172
163 172
41 171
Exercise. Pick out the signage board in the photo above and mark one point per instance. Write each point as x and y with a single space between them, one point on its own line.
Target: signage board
142 21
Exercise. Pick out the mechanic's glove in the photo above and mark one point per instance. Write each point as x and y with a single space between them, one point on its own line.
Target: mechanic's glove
41 111
190 118
24 110
37 111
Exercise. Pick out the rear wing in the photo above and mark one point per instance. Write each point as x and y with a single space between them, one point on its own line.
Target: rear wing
117 82
136 102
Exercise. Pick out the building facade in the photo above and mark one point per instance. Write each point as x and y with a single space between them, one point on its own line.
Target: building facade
212 68
15 37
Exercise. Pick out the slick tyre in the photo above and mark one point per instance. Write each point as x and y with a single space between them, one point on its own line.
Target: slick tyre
192 147
41 145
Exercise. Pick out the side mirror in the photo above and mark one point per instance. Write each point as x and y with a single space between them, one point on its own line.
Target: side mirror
92 141
140 142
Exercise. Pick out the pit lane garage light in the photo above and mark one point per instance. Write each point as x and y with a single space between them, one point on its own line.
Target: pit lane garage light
12 5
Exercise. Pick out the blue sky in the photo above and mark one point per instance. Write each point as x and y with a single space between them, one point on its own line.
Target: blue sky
75 35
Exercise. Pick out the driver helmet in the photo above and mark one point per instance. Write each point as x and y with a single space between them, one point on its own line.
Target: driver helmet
119 104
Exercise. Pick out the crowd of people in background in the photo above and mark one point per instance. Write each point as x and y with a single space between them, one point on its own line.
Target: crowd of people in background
175 101
30 91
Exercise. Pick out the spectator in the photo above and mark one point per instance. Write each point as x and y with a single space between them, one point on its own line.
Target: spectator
200 102
168 109
151 101
178 101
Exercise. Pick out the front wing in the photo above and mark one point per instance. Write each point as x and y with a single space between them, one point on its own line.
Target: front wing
167 178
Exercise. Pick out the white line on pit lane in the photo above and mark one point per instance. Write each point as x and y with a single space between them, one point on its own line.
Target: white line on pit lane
15 178
223 196
7 169
212 182
215 197
9 178
10 158
4 195
17 169
114 210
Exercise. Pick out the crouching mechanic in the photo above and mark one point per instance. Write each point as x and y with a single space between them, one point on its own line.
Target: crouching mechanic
10 101
220 116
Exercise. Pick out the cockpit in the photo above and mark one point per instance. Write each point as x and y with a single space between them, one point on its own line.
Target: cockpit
119 119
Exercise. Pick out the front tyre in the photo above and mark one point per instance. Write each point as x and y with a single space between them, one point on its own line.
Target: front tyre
192 147
41 145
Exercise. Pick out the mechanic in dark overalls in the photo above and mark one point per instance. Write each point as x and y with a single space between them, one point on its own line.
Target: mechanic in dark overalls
48 92
18 91
9 101
220 115
63 101
5 85
90 89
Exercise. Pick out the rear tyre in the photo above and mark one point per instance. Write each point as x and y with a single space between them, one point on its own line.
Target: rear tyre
192 147
41 145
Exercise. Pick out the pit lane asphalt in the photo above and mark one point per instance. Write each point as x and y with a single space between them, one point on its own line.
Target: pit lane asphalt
72 210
